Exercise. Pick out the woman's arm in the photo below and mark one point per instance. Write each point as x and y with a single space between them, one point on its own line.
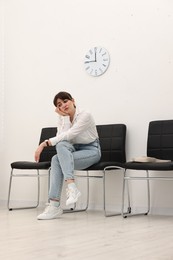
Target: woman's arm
82 123
40 149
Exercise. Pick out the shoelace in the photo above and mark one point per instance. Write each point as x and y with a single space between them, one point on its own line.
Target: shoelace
47 207
70 192
67 193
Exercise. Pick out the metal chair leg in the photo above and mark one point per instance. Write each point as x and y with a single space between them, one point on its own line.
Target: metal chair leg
125 184
38 189
104 191
123 193
128 197
148 192
9 190
148 196
9 193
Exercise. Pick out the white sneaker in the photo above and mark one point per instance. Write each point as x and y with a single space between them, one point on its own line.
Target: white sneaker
72 196
51 212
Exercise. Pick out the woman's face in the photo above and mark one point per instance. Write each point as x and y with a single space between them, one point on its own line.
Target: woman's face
65 106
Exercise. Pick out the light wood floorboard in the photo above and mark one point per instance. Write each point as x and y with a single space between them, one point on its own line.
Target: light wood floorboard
85 235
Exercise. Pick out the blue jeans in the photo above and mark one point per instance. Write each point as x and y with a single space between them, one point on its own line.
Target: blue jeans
70 157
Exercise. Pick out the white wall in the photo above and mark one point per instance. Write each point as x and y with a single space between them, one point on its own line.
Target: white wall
43 45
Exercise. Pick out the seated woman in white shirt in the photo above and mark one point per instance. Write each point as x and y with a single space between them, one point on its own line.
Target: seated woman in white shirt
77 147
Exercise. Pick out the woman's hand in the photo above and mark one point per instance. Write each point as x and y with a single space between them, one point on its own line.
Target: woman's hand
39 151
57 110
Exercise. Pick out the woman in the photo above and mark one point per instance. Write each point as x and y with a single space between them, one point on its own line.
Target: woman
77 147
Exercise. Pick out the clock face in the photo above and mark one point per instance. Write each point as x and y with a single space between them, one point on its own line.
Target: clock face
96 61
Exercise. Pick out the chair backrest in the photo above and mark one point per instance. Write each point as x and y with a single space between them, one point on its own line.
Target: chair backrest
48 152
112 141
160 139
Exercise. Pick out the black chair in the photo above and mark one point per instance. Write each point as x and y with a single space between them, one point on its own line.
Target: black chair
20 167
112 140
159 146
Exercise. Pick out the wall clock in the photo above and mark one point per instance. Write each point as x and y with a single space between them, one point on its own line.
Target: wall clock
96 61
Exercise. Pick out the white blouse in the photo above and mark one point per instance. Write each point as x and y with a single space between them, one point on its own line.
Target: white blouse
81 131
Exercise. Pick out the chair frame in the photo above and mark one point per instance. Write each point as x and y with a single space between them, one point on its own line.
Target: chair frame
109 165
36 175
103 176
44 164
161 129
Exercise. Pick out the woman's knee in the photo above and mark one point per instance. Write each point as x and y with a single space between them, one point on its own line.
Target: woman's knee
63 144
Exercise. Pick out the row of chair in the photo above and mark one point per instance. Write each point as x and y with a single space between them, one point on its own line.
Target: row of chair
112 139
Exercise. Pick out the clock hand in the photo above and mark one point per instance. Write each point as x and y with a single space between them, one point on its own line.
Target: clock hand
89 61
95 56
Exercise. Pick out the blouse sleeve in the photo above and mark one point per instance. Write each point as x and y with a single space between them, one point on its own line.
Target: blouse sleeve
63 124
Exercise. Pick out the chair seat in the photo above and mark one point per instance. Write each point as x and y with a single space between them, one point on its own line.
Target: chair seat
154 166
26 165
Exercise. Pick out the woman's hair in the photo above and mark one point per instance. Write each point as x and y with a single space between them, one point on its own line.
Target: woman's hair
61 95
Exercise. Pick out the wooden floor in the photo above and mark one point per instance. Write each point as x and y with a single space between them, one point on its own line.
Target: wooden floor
84 235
